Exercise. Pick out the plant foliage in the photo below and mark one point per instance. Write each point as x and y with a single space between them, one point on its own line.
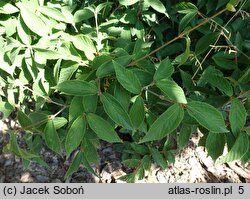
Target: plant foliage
78 72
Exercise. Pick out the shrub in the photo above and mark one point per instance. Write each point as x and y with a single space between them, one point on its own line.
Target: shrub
140 74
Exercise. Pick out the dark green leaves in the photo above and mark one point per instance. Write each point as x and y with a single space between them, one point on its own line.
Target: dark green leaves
102 128
215 143
137 112
172 90
77 88
75 134
237 116
204 42
158 158
127 78
238 150
115 111
165 124
208 116
52 138
74 165
165 70
225 61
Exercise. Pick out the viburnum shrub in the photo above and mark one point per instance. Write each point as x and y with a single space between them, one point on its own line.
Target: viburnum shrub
141 74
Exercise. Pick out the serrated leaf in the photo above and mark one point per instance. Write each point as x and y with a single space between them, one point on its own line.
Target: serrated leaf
88 166
204 42
75 134
74 166
128 2
140 149
77 88
127 78
207 116
115 111
131 163
184 136
34 22
85 44
158 158
129 178
52 13
137 112
90 152
102 128
146 163
237 116
164 70
238 150
52 138
81 15
24 120
187 19
59 122
215 143
172 90
89 103
166 123
225 61
48 54
158 6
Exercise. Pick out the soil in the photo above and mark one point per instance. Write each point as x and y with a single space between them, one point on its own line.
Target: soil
192 165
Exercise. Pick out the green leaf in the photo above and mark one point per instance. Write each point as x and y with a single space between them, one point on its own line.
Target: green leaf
82 15
172 90
85 44
89 103
7 8
203 43
39 120
207 116
75 134
225 61
187 19
158 158
238 150
48 54
77 88
75 108
137 112
128 2
87 165
215 143
59 122
237 116
34 22
23 32
166 123
90 152
131 163
13 144
184 136
6 108
74 166
102 128
127 78
52 13
115 111
146 163
52 138
140 149
158 6
24 120
164 70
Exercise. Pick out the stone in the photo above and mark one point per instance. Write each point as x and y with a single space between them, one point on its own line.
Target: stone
42 179
26 177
